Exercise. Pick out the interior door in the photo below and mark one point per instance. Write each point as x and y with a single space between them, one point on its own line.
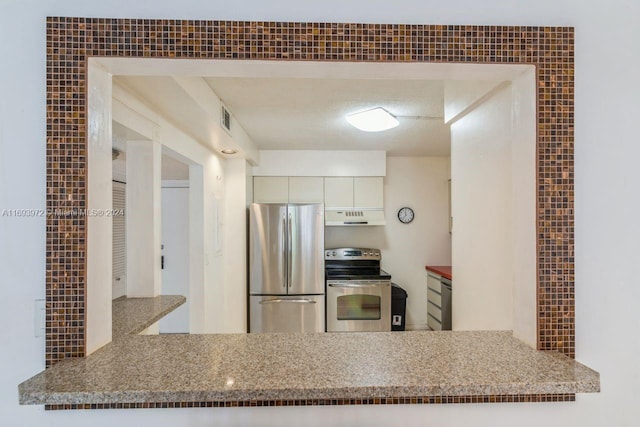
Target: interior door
268 249
305 230
175 253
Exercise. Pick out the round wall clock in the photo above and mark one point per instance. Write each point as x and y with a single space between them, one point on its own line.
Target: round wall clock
405 215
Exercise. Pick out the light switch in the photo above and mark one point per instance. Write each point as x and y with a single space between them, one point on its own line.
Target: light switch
39 316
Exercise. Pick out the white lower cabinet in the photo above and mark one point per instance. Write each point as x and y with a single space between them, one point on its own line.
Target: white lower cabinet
434 301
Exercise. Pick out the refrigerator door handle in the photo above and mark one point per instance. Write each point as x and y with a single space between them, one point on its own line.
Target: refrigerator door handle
277 300
284 251
289 248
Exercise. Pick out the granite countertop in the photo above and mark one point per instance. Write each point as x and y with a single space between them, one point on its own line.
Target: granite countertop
443 270
242 367
134 315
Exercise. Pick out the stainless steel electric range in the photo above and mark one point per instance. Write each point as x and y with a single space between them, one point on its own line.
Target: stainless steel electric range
358 291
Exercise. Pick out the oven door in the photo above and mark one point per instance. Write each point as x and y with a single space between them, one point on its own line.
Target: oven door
358 305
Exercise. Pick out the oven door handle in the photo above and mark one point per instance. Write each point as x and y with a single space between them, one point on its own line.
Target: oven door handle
356 285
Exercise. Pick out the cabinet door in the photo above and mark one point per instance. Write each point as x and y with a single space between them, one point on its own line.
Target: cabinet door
338 192
368 192
306 189
270 189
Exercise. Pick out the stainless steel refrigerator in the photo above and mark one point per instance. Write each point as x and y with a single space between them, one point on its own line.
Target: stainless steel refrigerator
286 268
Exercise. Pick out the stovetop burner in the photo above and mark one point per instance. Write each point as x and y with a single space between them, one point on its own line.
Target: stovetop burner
354 264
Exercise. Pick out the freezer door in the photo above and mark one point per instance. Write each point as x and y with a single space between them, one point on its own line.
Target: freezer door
301 313
268 249
306 249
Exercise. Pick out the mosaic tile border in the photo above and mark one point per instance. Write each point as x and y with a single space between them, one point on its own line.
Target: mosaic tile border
70 41
505 398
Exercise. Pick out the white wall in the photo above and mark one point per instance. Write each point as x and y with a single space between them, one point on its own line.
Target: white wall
462 95
523 198
235 226
607 230
99 283
143 219
420 183
493 168
320 163
482 254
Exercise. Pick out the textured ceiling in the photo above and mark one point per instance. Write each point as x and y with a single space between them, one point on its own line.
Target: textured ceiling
309 113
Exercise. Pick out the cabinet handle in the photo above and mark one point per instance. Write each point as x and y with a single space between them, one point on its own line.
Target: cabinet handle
301 301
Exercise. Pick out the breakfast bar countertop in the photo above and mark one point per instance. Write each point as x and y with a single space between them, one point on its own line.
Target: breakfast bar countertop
260 367
134 315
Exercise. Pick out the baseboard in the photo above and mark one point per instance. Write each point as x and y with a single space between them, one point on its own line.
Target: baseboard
417 327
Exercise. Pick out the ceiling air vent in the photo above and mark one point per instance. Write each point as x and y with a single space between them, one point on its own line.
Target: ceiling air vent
225 118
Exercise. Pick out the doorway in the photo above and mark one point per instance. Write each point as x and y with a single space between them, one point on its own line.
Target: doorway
175 253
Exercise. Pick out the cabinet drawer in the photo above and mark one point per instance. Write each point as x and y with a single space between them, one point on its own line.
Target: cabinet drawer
434 297
434 323
434 311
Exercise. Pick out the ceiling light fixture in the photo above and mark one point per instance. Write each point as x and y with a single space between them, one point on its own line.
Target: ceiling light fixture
373 120
228 151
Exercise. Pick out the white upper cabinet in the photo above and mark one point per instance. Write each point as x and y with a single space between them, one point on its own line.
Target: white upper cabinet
282 189
334 192
306 189
368 192
338 192
270 189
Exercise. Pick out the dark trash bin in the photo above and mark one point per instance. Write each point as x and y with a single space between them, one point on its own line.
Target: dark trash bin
398 307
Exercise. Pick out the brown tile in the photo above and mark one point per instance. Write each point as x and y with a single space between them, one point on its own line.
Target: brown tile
70 41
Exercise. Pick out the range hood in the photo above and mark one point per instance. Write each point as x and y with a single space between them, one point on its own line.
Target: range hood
354 217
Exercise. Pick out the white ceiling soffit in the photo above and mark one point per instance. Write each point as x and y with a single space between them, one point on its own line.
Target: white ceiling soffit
165 95
308 69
